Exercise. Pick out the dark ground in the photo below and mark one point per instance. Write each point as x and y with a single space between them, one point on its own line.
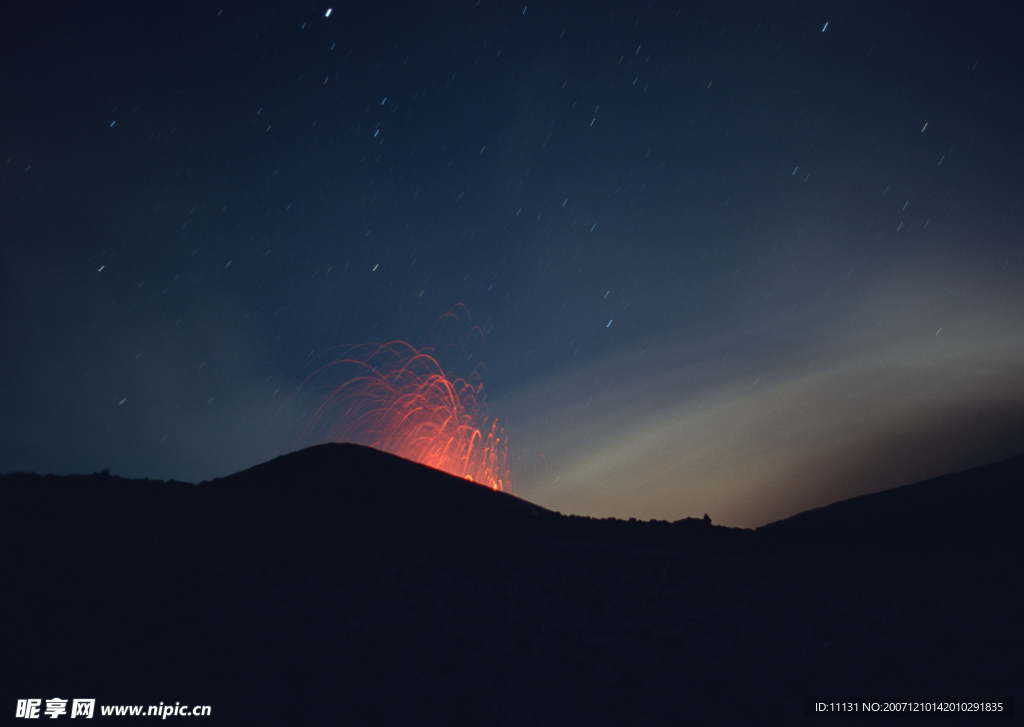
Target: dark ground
339 585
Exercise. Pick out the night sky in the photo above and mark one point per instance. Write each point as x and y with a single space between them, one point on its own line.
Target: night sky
734 258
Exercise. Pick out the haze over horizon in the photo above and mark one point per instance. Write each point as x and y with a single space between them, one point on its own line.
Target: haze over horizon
742 260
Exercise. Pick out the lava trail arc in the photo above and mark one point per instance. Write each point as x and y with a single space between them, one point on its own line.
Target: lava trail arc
400 400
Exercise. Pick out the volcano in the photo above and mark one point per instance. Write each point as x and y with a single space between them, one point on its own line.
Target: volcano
341 585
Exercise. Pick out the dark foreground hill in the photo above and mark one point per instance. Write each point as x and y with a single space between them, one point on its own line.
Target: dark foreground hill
339 585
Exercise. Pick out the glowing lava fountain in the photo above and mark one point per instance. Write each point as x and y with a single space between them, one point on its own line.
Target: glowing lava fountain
401 401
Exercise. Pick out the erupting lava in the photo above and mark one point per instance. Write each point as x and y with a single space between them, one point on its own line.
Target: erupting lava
401 401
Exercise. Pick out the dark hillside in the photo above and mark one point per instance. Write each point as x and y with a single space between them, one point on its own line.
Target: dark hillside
340 585
977 511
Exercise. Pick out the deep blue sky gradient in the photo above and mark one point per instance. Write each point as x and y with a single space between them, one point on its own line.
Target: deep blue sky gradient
197 199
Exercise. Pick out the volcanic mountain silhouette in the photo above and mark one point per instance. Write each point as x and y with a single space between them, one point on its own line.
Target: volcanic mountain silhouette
341 585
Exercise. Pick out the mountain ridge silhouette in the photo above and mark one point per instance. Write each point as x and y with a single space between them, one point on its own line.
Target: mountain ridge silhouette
977 509
341 585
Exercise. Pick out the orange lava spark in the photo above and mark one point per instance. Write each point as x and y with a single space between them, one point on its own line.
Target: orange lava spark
401 401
